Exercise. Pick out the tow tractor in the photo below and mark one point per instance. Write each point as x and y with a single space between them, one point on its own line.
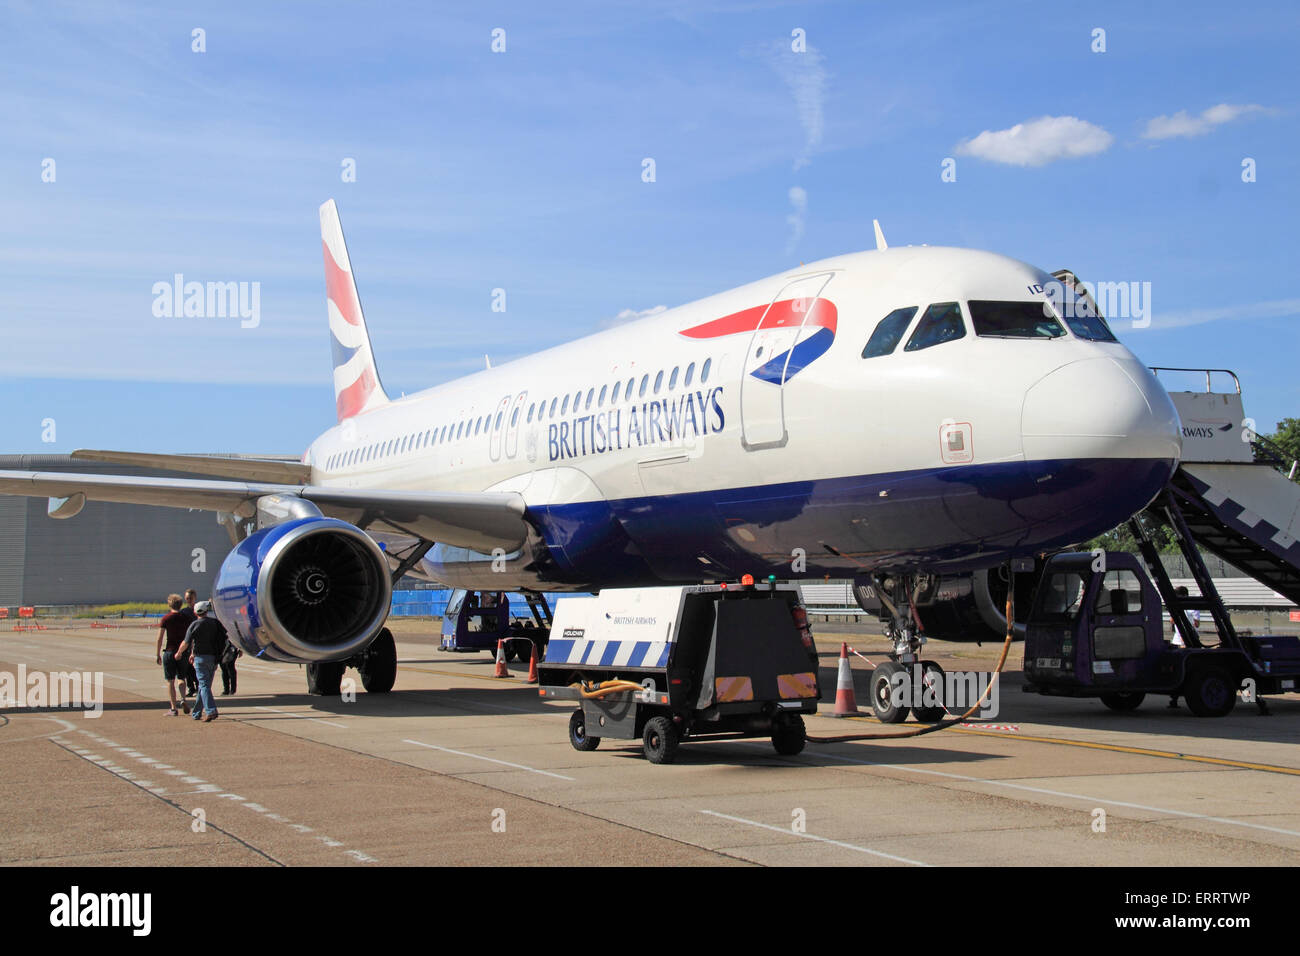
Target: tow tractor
477 620
668 664
1096 630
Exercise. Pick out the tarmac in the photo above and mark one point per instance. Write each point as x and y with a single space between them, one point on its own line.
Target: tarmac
455 767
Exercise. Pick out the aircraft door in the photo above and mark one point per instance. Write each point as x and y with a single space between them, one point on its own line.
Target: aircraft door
498 424
767 361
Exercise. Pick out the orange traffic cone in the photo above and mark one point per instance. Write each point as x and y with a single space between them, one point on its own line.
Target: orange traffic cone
532 664
846 704
501 660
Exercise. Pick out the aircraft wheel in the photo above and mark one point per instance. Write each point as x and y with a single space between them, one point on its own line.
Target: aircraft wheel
1211 691
660 740
578 733
324 678
1123 700
379 667
882 701
931 715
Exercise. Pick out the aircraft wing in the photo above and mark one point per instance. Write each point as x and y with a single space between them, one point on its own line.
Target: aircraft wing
480 521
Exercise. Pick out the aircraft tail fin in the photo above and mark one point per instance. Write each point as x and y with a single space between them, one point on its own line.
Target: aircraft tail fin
357 387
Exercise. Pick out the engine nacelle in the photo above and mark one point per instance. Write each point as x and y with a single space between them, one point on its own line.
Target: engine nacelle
312 589
965 606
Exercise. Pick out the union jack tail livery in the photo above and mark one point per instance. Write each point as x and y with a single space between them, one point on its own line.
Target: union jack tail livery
356 380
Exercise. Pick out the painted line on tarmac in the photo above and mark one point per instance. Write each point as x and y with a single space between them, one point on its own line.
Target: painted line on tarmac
289 713
1116 748
812 836
133 680
1144 752
215 791
1062 793
504 763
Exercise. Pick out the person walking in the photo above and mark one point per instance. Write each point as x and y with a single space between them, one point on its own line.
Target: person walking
203 640
230 653
172 628
187 669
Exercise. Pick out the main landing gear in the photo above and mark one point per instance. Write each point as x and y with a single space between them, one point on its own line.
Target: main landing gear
377 665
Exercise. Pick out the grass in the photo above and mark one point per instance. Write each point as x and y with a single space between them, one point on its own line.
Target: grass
133 609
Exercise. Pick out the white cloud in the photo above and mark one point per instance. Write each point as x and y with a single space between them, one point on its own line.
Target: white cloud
632 315
1184 124
799 202
805 75
1273 309
1037 142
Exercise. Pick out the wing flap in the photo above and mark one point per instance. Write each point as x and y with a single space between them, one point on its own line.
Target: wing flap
286 470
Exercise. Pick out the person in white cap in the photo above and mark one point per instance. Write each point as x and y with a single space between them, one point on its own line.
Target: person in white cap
203 641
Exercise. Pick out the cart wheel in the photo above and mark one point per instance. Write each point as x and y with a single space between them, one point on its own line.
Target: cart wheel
1123 700
660 740
578 733
1210 692
882 694
788 734
931 715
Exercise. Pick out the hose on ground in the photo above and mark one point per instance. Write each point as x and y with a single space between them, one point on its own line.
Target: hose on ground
942 725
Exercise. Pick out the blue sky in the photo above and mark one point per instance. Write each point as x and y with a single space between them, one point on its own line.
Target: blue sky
522 170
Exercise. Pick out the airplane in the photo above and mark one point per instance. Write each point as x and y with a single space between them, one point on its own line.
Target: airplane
902 416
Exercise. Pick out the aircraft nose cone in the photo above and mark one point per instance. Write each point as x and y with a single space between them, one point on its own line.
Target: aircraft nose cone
1099 408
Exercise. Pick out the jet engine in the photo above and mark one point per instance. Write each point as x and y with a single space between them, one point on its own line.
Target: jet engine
308 590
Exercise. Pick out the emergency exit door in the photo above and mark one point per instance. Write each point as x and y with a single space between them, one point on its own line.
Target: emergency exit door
767 361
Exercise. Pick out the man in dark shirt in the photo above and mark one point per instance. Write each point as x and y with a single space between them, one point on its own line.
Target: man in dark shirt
203 642
172 628
187 669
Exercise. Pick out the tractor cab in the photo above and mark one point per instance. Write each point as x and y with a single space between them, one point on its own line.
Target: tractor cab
1096 627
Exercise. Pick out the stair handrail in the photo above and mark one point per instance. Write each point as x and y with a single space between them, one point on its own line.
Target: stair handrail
1157 369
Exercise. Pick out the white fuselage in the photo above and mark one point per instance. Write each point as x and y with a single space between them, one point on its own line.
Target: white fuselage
837 441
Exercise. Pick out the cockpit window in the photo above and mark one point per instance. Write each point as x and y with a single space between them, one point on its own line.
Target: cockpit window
941 323
889 332
1014 320
1081 317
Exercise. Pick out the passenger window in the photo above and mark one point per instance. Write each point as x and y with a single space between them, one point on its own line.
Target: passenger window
1014 320
1121 593
627 392
704 371
497 423
672 379
564 409
591 394
529 420
514 418
690 373
552 412
603 390
645 380
659 380
941 323
889 332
